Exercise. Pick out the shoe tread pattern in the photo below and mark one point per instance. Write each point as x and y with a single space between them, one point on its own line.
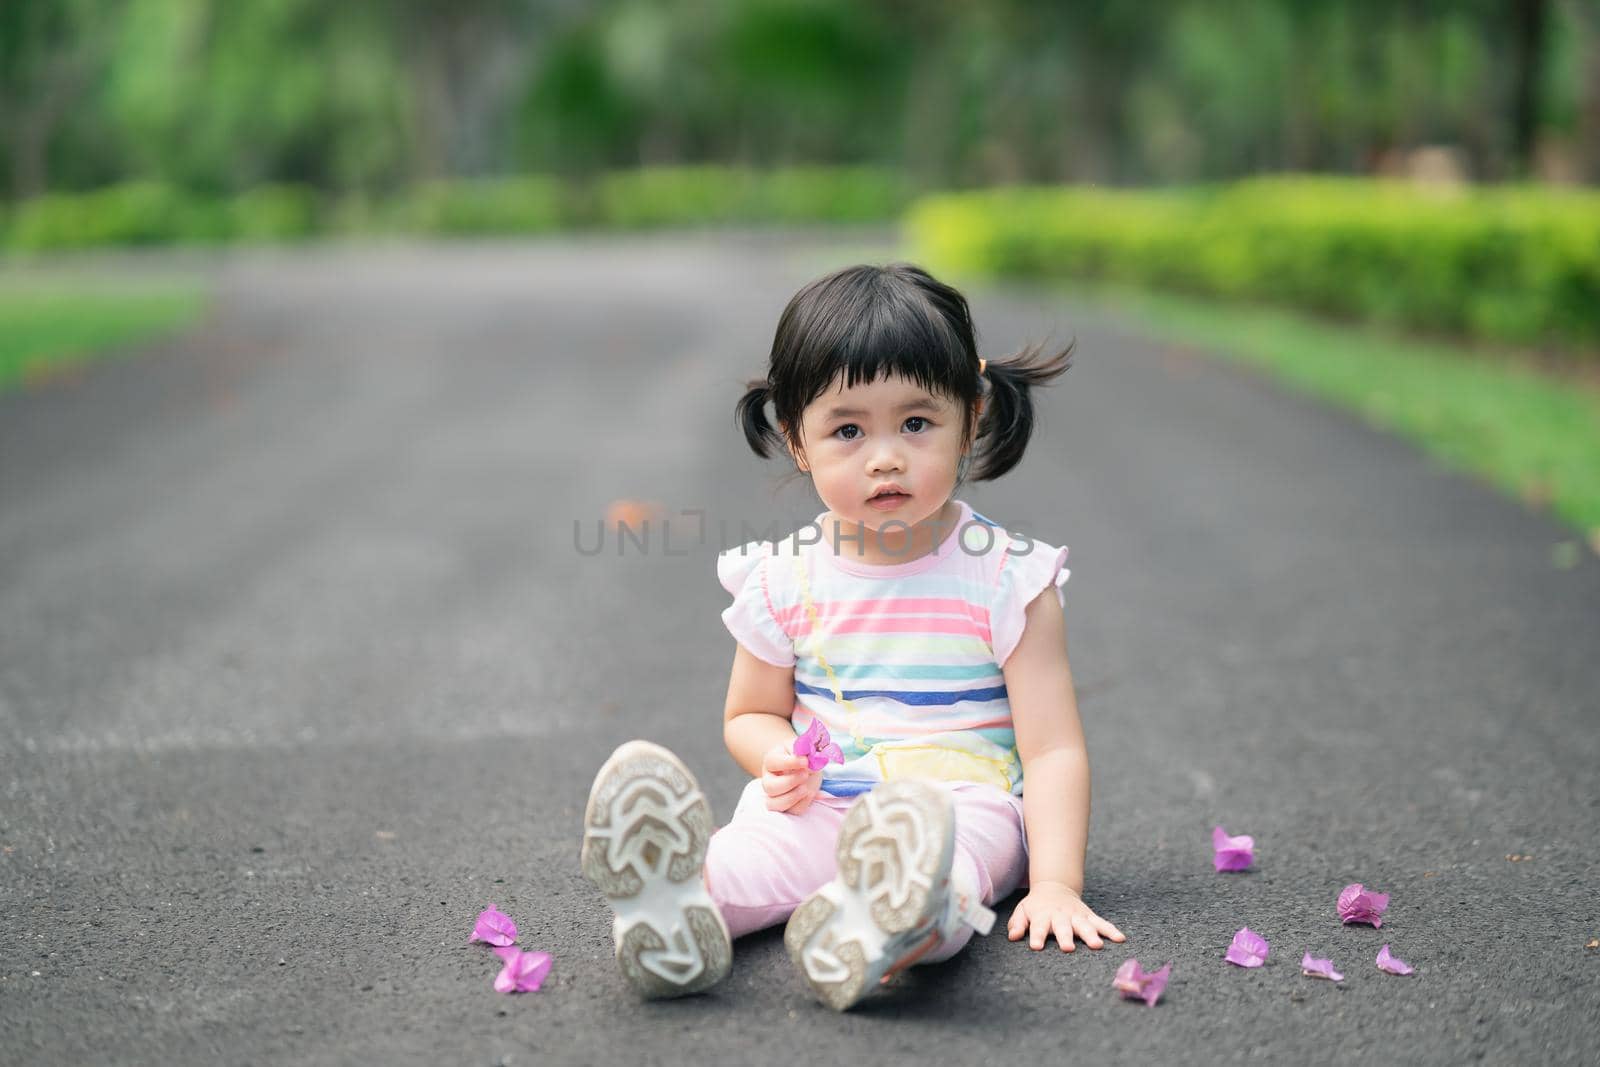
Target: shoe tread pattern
647 819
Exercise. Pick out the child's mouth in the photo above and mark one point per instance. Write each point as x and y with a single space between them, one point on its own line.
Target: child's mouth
886 501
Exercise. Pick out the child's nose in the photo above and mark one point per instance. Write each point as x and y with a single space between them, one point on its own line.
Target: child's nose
887 459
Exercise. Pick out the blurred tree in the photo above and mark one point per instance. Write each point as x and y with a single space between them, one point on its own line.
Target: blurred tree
50 51
218 95
467 59
1528 21
1585 16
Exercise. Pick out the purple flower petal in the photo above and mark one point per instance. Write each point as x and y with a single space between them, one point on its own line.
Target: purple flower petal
494 926
1389 963
1136 985
1231 853
524 972
817 747
1249 949
1316 968
1358 904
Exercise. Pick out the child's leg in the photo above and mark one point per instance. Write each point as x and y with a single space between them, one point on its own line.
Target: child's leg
762 864
991 856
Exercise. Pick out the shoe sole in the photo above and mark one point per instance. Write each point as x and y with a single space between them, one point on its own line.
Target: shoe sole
645 832
895 849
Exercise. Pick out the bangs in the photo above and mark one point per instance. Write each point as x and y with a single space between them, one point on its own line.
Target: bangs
867 323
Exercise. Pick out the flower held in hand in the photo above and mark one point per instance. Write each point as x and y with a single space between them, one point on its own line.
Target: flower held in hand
524 971
1389 963
1358 904
1232 853
1249 949
1136 985
816 747
1316 968
494 926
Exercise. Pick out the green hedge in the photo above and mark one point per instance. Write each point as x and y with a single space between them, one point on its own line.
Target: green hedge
141 213
664 196
1512 263
483 206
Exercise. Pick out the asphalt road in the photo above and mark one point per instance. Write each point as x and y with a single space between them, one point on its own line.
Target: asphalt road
300 667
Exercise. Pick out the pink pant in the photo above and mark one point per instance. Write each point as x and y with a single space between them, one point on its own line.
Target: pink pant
763 864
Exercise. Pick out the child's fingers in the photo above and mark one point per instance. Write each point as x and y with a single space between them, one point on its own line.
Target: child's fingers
1017 925
1063 928
1109 930
1084 928
777 784
786 800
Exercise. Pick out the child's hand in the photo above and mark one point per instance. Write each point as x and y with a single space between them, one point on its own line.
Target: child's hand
790 784
1053 906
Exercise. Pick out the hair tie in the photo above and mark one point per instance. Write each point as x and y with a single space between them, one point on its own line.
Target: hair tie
982 363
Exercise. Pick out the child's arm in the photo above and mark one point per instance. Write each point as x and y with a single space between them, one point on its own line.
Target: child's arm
1055 792
757 729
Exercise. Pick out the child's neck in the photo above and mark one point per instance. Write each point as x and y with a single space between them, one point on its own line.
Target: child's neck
878 548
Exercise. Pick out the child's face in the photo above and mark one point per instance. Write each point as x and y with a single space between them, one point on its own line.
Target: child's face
855 441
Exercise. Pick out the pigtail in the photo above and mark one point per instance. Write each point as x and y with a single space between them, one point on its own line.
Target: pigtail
751 415
1008 415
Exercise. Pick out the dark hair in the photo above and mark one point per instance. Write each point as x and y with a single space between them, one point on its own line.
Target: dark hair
868 322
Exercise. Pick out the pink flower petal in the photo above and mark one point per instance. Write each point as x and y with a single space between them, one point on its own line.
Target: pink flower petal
817 747
494 927
1316 968
1391 964
1136 985
816 736
1249 949
1231 853
1358 904
524 972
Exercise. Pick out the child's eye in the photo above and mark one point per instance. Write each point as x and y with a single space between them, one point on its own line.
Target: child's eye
916 419
843 436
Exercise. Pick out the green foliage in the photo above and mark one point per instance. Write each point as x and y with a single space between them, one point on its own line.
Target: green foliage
42 331
274 213
220 95
137 213
659 196
1510 263
143 213
366 98
485 206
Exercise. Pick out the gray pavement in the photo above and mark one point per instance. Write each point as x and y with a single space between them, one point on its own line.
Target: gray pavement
300 668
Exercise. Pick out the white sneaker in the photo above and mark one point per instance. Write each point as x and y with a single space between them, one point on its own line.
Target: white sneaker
964 907
892 901
644 845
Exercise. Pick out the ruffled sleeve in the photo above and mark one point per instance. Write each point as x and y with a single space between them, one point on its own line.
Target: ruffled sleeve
1021 579
743 572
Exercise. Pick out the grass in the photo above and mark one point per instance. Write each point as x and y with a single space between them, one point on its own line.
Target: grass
1530 432
46 329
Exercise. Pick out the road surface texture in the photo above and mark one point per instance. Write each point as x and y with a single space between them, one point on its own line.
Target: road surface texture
301 667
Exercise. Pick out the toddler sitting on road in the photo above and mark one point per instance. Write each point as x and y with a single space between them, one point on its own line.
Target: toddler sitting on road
900 670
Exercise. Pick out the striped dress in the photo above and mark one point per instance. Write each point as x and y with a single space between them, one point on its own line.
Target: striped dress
900 662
